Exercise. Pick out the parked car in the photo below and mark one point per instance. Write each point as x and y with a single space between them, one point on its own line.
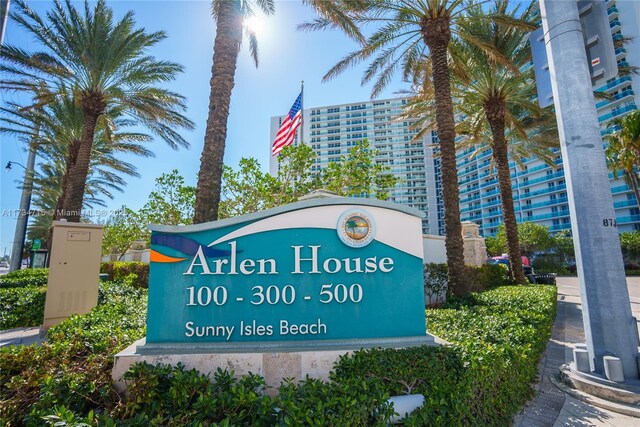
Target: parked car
504 259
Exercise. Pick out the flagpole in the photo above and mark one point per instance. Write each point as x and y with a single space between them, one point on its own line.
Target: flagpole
302 112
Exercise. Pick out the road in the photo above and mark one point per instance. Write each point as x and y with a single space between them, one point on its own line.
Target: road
568 290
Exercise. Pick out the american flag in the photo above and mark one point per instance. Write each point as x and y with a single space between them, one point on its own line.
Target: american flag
288 128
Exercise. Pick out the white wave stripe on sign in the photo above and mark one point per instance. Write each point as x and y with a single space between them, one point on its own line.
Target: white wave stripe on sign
393 227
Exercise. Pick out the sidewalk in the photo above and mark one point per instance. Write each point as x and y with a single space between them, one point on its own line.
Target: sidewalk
20 336
552 407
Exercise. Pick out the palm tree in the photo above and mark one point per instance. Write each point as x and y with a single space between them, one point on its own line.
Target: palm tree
623 149
409 33
498 99
104 65
59 128
230 16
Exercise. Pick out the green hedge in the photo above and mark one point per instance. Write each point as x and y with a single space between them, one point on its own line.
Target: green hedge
483 378
71 372
500 335
21 307
26 277
480 278
119 270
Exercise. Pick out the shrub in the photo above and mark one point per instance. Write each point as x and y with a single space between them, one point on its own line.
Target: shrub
26 277
487 276
485 376
351 401
500 335
550 265
174 396
480 278
435 282
119 270
71 371
432 371
21 307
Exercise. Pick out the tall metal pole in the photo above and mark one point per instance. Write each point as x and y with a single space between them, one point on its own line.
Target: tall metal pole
23 213
609 326
4 14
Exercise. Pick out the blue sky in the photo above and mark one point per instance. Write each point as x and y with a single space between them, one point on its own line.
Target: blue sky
287 56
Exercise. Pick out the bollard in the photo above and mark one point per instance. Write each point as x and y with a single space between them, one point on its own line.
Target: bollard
581 359
404 405
613 369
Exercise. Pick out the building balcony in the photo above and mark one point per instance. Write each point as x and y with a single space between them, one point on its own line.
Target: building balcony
559 174
614 83
628 219
617 112
546 203
621 95
560 227
619 189
625 204
553 189
559 214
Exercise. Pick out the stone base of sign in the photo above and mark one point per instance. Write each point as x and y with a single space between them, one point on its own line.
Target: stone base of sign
273 361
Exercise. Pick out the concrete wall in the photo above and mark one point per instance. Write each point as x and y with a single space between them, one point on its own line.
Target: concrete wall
434 250
135 255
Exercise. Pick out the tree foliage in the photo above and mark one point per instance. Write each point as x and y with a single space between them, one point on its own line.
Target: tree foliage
533 238
170 203
357 174
630 242
248 189
623 150
104 66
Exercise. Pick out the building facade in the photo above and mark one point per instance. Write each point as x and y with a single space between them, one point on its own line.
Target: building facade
539 190
332 131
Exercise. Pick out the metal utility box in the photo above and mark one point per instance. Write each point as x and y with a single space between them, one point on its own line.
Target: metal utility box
74 271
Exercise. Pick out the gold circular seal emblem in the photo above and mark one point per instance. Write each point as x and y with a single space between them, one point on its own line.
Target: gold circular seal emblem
356 228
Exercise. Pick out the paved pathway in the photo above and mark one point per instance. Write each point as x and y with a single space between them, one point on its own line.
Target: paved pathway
552 407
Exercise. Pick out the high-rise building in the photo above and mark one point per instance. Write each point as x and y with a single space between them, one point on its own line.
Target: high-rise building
332 131
539 191
540 194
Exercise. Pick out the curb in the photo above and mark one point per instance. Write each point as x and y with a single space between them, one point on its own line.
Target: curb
596 401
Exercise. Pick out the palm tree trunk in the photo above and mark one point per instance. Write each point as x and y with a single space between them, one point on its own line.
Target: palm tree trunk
72 157
74 191
437 35
495 115
633 179
225 56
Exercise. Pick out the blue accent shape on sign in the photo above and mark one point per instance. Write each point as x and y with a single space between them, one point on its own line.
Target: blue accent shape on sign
270 278
184 245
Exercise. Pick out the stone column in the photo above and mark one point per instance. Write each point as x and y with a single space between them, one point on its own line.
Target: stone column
475 249
609 325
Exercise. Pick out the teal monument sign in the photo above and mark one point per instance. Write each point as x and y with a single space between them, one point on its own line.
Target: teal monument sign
324 272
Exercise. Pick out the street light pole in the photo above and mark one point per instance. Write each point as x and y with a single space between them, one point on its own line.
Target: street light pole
25 205
610 328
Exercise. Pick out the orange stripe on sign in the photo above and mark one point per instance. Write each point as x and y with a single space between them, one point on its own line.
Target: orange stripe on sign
158 257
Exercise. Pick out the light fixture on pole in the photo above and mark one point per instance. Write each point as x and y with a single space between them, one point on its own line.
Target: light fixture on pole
25 204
